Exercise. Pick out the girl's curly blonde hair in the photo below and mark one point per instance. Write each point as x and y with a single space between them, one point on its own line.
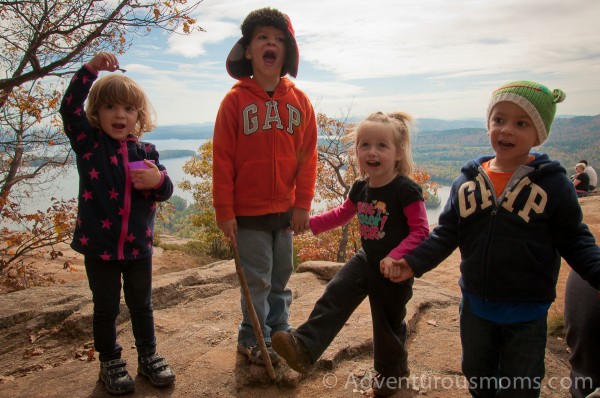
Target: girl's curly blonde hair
400 125
121 90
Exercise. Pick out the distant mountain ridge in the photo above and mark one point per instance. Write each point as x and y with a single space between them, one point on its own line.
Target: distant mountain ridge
443 152
198 131
442 146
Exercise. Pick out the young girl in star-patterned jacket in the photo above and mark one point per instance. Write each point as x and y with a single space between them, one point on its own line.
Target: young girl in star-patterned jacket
120 181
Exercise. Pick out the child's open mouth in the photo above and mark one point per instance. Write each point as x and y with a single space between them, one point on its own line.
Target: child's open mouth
269 57
118 126
506 144
373 163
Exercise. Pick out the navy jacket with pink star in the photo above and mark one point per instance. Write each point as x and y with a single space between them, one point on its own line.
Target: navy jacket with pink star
115 221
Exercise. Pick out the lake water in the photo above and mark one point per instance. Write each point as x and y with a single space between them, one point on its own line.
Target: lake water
66 186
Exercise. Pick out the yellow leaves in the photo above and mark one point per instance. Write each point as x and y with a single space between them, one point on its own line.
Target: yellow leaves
156 13
186 27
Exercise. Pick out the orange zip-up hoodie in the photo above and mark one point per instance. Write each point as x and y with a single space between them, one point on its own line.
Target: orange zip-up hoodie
264 151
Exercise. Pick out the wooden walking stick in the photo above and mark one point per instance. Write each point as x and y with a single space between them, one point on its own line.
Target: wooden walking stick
250 307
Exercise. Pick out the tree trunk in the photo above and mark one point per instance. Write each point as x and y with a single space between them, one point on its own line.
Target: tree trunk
341 253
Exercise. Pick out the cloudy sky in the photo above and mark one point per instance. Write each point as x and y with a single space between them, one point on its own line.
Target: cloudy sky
431 58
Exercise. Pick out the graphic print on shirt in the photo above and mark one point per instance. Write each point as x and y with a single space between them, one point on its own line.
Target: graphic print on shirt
272 118
536 202
372 217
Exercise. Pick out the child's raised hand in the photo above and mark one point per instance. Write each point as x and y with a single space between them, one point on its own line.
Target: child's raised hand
104 61
147 178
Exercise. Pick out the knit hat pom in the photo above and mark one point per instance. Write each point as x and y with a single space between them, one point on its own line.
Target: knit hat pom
559 95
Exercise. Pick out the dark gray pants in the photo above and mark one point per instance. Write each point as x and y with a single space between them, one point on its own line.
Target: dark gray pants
355 281
582 318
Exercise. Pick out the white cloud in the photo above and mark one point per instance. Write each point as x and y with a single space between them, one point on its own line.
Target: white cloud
437 58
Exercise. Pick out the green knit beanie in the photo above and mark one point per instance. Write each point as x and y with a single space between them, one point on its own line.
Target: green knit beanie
535 99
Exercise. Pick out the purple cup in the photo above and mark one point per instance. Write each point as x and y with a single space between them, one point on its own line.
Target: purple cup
139 165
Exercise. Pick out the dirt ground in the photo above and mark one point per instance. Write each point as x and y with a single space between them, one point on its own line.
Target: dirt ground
434 345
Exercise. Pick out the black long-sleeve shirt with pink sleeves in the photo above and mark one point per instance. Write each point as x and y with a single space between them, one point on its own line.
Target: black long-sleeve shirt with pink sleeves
114 221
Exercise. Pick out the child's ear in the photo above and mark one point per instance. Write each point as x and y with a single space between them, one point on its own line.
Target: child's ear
247 53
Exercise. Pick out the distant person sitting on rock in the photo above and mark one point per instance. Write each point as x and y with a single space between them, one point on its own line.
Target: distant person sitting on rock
589 170
393 220
581 180
512 215
120 181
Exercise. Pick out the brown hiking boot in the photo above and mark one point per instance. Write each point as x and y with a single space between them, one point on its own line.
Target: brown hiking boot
292 350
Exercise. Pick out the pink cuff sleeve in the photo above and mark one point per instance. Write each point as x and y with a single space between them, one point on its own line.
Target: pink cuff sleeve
418 225
337 217
162 179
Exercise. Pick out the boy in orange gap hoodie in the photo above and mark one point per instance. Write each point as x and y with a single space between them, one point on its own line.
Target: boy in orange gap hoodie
264 168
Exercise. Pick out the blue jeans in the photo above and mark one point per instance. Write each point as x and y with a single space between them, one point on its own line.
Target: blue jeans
104 279
502 360
356 280
266 258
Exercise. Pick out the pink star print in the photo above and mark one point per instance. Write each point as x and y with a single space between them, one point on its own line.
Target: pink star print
85 79
69 98
81 136
87 156
148 232
113 194
94 174
78 111
130 238
135 252
105 256
113 160
106 223
84 240
87 195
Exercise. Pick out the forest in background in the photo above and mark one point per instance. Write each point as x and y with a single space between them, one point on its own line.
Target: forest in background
441 147
442 153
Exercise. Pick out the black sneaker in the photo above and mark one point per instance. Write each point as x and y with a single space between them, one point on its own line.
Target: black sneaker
156 369
115 377
254 354
384 386
292 350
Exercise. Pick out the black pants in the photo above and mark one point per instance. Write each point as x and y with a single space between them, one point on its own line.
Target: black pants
582 319
355 281
105 283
